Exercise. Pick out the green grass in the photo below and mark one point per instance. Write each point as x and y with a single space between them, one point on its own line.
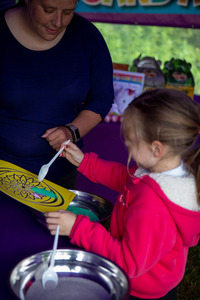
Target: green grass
189 288
127 42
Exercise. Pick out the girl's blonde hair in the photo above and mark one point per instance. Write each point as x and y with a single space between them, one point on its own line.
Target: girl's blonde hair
171 117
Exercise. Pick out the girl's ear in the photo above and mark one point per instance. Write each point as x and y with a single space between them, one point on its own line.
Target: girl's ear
157 149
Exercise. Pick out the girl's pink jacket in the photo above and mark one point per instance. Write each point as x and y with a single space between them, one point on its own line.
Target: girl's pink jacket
149 235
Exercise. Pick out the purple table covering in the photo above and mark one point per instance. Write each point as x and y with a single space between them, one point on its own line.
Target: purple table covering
20 236
105 140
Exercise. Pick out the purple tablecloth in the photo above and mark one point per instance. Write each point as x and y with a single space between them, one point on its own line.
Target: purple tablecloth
20 233
105 140
20 236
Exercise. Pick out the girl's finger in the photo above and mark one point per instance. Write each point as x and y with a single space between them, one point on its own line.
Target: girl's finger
51 214
52 227
52 220
52 232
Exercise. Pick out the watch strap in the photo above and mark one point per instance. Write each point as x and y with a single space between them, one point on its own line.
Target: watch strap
74 132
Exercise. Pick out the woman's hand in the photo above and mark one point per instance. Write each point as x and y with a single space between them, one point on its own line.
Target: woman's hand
65 219
73 154
56 136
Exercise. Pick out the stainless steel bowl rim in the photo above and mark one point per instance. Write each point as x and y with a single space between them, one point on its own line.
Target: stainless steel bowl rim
87 262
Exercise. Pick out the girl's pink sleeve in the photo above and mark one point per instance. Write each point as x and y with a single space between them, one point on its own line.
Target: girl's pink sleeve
148 234
108 173
90 235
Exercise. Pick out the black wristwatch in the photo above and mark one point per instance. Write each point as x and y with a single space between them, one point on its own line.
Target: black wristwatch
74 132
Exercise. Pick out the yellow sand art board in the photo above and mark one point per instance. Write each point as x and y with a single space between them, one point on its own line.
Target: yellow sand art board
24 186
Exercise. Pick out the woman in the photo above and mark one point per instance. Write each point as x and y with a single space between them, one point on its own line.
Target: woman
55 70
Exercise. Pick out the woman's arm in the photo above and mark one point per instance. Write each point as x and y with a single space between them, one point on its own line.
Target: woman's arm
85 121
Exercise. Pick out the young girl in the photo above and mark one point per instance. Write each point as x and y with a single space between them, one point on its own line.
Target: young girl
156 217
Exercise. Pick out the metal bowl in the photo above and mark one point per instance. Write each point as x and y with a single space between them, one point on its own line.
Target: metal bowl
81 274
99 206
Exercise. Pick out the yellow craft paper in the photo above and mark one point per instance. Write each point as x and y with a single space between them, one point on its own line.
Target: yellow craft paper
24 186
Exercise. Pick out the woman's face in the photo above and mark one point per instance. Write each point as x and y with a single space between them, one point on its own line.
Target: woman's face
48 18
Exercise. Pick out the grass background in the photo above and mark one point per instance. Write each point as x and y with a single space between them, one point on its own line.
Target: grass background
127 42
189 288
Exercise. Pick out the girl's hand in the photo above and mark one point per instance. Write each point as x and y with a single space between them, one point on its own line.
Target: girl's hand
73 154
65 219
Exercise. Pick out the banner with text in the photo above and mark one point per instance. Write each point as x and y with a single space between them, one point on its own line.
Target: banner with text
181 13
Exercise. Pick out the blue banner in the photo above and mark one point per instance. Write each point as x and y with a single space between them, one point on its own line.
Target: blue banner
182 13
142 6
